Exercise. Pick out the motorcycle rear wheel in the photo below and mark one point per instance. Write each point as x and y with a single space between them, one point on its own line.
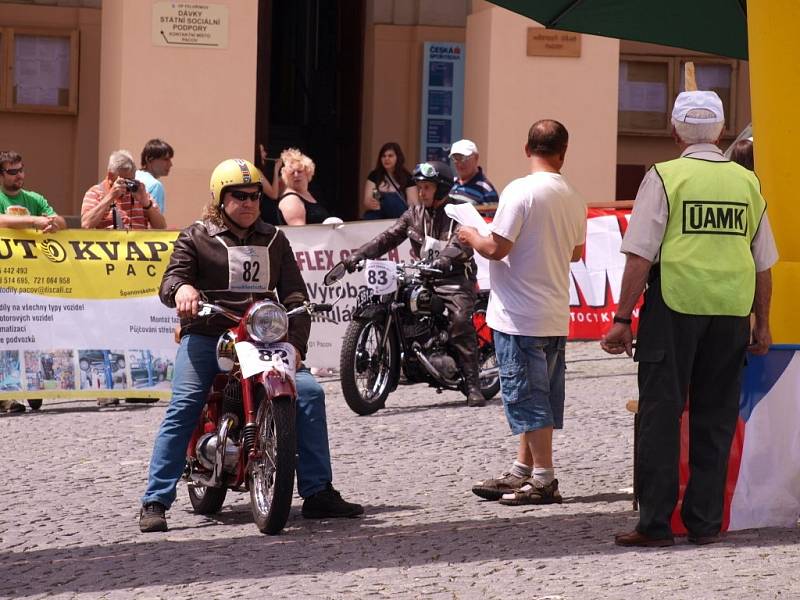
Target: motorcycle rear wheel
206 500
271 472
368 373
487 360
489 382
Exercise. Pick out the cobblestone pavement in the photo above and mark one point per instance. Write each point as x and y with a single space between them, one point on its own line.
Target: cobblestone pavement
74 475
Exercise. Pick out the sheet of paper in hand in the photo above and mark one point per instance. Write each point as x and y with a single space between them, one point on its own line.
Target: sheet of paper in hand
465 214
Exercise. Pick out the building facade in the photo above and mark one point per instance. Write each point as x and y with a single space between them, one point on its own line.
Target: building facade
337 79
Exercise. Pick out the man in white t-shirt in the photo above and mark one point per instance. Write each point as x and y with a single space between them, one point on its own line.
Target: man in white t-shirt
540 226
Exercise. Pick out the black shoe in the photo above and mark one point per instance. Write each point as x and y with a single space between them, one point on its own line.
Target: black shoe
475 398
152 517
15 407
702 540
141 400
329 504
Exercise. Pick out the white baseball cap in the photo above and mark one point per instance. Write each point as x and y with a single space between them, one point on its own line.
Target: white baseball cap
687 101
465 147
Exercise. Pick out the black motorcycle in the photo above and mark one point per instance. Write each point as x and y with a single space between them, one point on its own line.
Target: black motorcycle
406 329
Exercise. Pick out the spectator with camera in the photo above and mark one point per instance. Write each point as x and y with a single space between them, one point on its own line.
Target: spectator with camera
119 201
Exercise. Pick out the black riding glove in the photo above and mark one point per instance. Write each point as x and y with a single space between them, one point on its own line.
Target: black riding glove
442 263
351 262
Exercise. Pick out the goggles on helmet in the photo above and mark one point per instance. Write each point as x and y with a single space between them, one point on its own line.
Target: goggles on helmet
426 170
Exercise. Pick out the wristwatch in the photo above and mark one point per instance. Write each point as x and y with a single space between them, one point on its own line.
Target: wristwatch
148 207
622 320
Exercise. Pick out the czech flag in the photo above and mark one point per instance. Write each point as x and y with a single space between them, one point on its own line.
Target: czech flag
763 488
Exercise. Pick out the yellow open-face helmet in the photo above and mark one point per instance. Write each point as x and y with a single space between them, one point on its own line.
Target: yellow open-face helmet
234 171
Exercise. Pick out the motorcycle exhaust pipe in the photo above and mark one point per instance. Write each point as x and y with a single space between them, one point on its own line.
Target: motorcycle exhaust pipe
215 452
433 371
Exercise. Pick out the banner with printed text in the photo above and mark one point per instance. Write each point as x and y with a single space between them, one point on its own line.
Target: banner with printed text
80 314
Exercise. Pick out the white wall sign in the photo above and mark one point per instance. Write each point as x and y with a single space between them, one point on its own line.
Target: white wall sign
183 24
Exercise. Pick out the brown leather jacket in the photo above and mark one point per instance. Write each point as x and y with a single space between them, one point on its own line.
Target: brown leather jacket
200 260
414 224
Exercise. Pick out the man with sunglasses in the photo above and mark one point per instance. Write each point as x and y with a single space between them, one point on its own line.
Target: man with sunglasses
20 208
208 259
433 237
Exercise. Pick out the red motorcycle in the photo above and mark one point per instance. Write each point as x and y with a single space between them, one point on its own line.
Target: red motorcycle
246 438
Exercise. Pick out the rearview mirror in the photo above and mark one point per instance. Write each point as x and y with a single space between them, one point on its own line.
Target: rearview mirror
335 274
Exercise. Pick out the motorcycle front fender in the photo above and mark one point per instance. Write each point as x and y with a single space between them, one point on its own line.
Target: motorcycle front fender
370 311
275 385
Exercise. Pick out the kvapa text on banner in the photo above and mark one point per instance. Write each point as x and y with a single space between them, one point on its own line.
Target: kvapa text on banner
80 315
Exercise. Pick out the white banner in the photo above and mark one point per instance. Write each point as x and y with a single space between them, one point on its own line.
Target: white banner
317 248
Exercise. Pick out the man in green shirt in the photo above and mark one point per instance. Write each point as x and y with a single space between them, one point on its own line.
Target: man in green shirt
19 208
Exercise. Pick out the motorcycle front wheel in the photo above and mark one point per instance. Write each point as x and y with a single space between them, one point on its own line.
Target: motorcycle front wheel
271 472
368 371
206 500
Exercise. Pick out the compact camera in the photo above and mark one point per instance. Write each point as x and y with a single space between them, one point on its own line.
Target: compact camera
131 185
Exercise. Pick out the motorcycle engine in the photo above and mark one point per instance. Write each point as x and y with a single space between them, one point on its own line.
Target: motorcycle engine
445 364
421 300
232 403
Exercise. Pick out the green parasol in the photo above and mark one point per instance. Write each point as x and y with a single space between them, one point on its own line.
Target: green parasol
714 26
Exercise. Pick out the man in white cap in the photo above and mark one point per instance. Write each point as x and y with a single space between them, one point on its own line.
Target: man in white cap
700 240
471 184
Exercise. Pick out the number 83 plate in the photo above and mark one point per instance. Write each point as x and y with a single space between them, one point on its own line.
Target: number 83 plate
381 276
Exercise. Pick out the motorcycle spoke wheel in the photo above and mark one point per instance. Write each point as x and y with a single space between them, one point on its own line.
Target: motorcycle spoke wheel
271 471
488 372
368 371
206 500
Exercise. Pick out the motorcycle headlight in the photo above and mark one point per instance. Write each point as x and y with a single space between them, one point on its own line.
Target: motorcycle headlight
267 322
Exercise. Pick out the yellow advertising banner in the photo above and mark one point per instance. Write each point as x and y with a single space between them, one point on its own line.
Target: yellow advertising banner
80 314
99 264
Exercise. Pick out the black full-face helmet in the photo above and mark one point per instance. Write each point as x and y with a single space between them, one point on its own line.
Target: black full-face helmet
436 172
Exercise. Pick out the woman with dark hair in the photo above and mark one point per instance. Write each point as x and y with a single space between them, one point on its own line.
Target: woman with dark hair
742 153
389 189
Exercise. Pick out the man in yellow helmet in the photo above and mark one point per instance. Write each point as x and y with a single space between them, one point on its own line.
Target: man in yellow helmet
700 239
208 258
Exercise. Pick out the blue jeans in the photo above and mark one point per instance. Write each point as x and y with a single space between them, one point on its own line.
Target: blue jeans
532 371
195 369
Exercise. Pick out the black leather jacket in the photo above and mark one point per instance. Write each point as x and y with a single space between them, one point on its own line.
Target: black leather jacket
202 261
414 224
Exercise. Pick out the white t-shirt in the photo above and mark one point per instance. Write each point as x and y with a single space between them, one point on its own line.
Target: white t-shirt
545 218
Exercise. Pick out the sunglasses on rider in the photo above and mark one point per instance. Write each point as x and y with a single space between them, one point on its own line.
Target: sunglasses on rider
242 196
426 170
16 171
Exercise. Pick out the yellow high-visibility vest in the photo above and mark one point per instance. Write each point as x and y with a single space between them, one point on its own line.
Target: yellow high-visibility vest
715 209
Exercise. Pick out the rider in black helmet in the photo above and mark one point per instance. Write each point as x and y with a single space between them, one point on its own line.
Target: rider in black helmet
433 238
